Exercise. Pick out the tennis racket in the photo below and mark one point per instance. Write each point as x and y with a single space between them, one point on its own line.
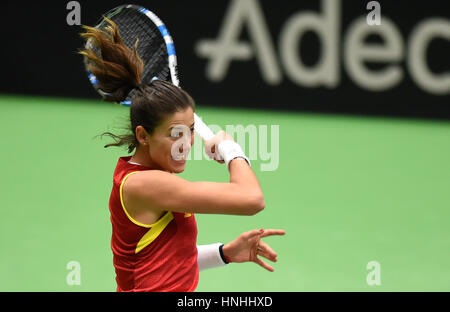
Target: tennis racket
155 48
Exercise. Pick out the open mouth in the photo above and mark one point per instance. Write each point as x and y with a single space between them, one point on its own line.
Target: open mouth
179 160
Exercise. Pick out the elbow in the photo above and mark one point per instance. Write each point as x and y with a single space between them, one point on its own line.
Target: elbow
260 204
257 205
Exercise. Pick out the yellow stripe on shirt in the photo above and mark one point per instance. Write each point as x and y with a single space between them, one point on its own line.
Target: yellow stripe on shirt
155 228
154 232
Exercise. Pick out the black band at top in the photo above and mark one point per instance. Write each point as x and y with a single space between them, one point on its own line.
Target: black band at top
222 255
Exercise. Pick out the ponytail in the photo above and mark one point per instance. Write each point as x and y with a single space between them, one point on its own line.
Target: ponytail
117 68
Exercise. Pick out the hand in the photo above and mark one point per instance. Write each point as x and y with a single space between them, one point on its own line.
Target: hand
248 246
211 146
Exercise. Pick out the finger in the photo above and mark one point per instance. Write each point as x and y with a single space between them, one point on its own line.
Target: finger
253 234
210 154
271 232
263 264
267 252
266 255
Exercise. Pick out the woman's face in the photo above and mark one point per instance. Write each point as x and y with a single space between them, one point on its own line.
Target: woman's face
171 142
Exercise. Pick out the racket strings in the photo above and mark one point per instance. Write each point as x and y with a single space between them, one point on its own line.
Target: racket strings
151 48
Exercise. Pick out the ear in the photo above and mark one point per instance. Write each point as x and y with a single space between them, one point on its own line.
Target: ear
142 135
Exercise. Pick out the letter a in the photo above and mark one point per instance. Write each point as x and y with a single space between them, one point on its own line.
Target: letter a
74 276
74 16
374 17
374 277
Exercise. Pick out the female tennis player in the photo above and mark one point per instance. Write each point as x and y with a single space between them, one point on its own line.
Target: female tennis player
154 232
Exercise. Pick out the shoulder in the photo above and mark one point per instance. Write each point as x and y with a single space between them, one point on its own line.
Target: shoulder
148 176
149 182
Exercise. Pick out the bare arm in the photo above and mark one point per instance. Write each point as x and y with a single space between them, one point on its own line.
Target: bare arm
162 191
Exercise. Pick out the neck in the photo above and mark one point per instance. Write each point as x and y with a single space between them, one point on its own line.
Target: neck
142 157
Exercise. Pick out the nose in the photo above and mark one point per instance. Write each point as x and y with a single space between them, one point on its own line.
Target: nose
188 147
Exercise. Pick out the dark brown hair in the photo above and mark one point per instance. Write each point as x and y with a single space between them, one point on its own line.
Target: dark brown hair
118 70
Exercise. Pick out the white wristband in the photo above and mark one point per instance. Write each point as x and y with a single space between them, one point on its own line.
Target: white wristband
230 150
209 256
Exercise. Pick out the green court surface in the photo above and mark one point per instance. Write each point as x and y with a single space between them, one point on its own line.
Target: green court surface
347 190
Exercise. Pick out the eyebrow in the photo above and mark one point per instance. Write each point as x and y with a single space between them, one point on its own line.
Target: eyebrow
191 126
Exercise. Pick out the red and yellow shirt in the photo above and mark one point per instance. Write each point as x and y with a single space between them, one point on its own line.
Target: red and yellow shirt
151 257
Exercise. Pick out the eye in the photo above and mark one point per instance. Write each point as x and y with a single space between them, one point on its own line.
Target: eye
177 134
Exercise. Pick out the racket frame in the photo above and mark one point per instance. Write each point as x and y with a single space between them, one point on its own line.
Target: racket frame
200 127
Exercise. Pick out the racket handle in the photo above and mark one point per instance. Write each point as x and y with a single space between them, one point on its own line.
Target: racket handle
202 129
